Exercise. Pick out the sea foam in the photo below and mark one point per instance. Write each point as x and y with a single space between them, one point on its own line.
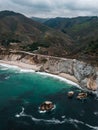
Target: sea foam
74 122
60 78
21 70
8 66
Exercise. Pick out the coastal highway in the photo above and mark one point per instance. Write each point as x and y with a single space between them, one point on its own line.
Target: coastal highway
29 53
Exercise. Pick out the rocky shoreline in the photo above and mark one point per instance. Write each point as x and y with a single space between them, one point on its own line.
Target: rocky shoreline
79 72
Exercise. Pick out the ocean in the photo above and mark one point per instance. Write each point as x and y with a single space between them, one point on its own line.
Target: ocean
23 91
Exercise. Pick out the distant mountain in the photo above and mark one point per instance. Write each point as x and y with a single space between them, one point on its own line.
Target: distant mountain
83 30
20 32
40 20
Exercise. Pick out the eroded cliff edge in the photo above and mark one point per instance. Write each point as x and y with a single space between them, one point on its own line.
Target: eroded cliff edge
86 74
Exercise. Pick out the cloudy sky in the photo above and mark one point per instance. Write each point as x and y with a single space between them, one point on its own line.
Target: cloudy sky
52 8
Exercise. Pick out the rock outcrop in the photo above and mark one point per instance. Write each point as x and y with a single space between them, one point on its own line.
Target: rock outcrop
70 94
46 106
82 96
82 71
91 83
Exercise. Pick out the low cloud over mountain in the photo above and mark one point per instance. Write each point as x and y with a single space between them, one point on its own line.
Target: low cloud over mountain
52 8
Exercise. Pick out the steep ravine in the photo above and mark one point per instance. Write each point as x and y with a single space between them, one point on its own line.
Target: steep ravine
86 74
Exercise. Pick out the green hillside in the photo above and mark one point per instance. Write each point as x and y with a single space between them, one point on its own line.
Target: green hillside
84 32
20 32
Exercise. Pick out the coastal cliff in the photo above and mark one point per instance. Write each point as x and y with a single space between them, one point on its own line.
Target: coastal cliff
85 74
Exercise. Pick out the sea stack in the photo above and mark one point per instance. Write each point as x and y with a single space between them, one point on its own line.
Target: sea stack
46 106
82 95
70 94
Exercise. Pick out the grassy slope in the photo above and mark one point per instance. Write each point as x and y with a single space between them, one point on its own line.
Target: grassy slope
83 30
30 34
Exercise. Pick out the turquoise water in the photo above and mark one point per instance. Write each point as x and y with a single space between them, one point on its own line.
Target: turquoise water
21 93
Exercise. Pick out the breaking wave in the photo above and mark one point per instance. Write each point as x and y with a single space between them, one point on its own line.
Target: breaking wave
74 122
22 70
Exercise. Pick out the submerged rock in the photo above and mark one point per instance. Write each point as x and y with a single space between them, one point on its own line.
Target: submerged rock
82 95
46 106
70 94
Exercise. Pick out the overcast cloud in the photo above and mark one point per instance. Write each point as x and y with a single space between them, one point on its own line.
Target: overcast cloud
52 8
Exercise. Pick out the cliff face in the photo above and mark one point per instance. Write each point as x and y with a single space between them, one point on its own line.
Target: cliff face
86 74
82 71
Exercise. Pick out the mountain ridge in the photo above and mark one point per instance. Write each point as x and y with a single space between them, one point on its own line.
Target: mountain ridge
31 35
67 37
83 30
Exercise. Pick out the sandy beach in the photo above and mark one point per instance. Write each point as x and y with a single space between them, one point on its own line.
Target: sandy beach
69 77
37 67
21 65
